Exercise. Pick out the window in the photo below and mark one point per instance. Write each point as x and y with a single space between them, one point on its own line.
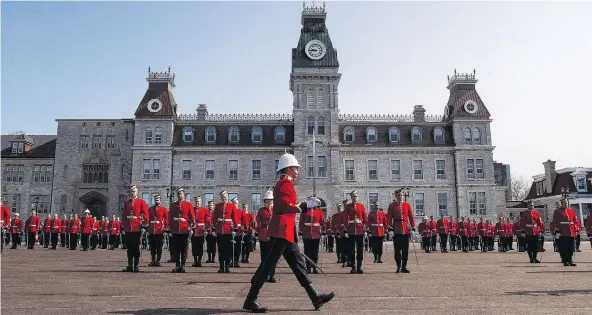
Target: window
440 169
539 188
322 164
372 169
158 135
148 136
416 135
210 166
470 169
310 166
256 166
320 98
468 135
42 173
232 170
438 135
257 135
187 134
156 169
210 134
419 204
95 173
581 183
280 134
207 198
84 142
18 147
310 123
371 134
417 169
146 169
188 197
442 204
42 206
348 134
110 142
233 134
372 198
310 99
477 136
475 169
349 170
481 203
186 166
395 170
120 202
255 202
16 203
97 142
146 197
277 174
473 203
394 134
321 126
479 168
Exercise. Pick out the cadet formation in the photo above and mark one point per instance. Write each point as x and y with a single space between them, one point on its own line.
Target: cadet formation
231 231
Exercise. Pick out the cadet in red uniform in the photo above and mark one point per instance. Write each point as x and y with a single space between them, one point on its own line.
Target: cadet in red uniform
578 225
357 222
310 225
16 228
336 228
74 228
330 235
482 228
377 222
491 235
32 224
249 225
94 234
105 232
463 232
434 228
211 235
63 231
202 224
443 227
237 238
56 227
158 221
346 262
426 234
501 234
453 234
263 217
135 214
114 230
223 220
589 226
281 230
181 221
564 224
46 231
4 222
87 225
509 234
530 222
400 218
520 237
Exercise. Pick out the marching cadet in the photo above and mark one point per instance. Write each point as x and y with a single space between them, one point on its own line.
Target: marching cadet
330 235
589 226
463 232
453 234
223 220
64 231
530 222
310 226
211 236
336 228
56 227
4 222
432 225
482 228
46 230
94 235
377 222
426 234
181 222
443 227
491 235
202 224
16 229
500 231
520 237
357 221
74 229
238 232
578 225
282 228
263 217
564 224
247 247
105 233
346 244
87 225
158 221
135 214
32 225
114 228
509 234
400 219
475 234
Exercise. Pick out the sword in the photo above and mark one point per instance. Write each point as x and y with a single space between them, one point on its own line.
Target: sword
313 264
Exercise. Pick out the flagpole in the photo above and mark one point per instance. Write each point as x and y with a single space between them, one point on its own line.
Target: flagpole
314 162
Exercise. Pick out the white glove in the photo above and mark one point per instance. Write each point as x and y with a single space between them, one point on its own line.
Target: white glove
365 234
557 236
346 235
214 233
310 204
391 233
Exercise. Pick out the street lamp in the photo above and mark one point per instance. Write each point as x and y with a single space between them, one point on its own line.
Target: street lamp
564 192
170 191
405 193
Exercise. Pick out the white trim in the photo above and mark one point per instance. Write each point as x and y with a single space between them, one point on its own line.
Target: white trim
415 206
443 135
391 170
151 103
230 129
206 134
423 175
275 132
420 134
205 170
228 170
345 129
375 134
368 170
253 134
471 102
260 169
436 159
344 169
438 204
398 134
183 133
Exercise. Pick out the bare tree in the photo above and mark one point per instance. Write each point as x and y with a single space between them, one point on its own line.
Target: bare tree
519 188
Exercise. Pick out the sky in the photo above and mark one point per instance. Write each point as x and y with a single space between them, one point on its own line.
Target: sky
90 60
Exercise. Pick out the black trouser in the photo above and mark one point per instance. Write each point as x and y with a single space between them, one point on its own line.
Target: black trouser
443 241
73 240
356 246
521 243
377 244
578 240
346 250
197 246
105 240
118 239
532 245
401 247
132 241
425 243
16 239
433 242
279 247
85 240
113 239
211 246
54 239
265 247
311 250
174 254
179 247
247 247
339 248
464 243
453 242
45 239
224 249
330 242
155 246
62 239
93 241
541 243
565 245
237 247
31 239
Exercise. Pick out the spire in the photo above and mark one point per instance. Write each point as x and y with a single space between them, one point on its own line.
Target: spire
161 77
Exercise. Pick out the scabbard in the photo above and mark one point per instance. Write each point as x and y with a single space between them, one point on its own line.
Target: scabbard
313 264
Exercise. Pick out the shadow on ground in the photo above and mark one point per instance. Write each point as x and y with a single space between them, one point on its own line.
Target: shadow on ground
193 311
550 292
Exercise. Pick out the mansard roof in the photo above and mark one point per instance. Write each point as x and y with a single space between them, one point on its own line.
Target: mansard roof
563 179
427 132
43 146
222 128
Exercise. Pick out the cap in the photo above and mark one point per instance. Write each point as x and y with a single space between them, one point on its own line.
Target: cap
86 211
133 187
355 192
224 192
198 198
157 196
425 217
233 199
180 189
16 214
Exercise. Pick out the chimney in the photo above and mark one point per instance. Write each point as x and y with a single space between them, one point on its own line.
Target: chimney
550 175
202 112
418 113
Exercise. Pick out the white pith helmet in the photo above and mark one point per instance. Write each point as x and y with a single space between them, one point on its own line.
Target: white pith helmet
268 195
287 160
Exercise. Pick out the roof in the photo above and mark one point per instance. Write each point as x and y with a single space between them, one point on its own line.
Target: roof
222 130
43 146
313 27
459 95
562 180
161 92
404 134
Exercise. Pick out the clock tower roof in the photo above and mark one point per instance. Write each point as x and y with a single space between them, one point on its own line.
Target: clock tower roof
158 101
314 29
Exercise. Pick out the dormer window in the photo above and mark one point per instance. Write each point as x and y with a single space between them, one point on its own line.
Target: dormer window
579 178
210 134
280 135
438 135
187 134
371 134
581 183
348 134
233 135
394 134
257 135
539 188
416 136
18 147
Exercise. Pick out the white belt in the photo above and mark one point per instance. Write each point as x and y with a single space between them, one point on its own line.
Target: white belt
114 228
154 222
559 223
1 221
179 219
312 224
201 224
354 221
132 217
225 220
377 224
529 225
33 225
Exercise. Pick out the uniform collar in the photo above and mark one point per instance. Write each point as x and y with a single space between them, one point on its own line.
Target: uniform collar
288 177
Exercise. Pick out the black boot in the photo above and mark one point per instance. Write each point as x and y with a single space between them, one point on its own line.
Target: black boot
379 259
530 257
375 258
221 270
404 268
198 261
318 300
194 261
128 269
360 267
251 304
227 267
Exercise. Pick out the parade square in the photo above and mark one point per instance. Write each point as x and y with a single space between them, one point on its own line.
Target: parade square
42 281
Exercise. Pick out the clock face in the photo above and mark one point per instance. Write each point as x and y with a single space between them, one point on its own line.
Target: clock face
154 106
315 49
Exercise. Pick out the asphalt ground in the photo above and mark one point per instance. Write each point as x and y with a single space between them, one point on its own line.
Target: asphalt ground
43 281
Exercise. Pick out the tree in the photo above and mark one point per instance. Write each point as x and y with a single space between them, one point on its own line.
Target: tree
519 188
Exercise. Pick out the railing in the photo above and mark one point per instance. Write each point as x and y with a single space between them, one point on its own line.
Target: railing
388 118
236 117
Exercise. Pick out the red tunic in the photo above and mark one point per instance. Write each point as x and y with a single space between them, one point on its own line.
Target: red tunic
16 226
508 229
105 227
202 222
65 223
578 227
134 212
263 217
482 227
285 207
424 229
114 227
223 217
491 230
96 228
33 224
499 228
356 218
463 228
564 222
443 226
400 218
472 229
530 222
343 220
377 221
434 227
311 224
453 228
74 226
87 224
249 222
239 221
56 226
4 216
336 222
181 216
158 219
47 225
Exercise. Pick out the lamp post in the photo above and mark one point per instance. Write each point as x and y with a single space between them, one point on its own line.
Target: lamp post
405 193
36 204
564 192
170 191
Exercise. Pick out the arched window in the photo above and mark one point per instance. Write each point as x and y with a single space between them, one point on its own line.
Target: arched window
438 135
477 136
416 135
280 134
187 134
211 134
310 123
349 134
257 135
148 135
310 99
320 98
467 135
394 134
158 135
371 134
233 134
321 125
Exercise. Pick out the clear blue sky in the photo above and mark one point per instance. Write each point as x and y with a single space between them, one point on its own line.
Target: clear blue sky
90 60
